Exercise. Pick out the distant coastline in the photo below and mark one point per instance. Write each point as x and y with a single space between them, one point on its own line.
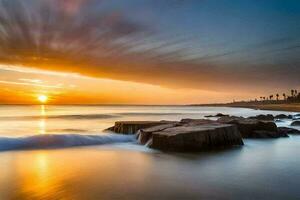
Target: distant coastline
291 107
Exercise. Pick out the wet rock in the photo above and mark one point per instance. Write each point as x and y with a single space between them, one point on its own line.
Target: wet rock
190 137
295 123
192 122
286 130
217 115
144 135
263 117
267 134
249 127
131 127
282 116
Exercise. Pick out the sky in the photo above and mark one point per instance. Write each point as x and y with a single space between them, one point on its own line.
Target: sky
147 51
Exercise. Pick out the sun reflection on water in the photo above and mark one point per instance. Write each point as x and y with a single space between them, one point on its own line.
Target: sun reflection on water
43 110
42 126
42 121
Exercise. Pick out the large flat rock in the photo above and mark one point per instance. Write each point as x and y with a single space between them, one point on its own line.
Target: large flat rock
183 137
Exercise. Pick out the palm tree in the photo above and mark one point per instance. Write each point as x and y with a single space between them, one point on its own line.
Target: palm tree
271 97
261 98
277 97
292 92
295 92
284 96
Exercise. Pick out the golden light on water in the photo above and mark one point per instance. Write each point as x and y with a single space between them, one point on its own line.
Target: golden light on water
42 121
42 98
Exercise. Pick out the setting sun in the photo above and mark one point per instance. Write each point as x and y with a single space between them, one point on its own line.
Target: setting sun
42 98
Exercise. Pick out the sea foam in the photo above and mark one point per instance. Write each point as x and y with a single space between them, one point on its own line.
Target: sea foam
60 141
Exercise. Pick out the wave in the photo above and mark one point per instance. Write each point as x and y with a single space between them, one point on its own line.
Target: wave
49 141
75 117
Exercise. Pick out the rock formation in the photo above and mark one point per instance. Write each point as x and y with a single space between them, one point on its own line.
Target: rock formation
254 128
186 137
201 134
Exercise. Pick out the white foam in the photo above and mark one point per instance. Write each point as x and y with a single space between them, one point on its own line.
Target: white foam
61 141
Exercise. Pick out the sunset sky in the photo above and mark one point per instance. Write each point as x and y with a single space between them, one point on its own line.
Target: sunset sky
147 51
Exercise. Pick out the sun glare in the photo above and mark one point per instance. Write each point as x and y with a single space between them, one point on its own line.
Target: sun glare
42 98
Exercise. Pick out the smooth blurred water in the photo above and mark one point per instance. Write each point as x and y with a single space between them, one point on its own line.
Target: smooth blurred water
122 169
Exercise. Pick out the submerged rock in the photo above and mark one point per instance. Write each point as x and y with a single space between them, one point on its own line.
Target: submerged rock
185 137
287 130
131 127
295 123
254 128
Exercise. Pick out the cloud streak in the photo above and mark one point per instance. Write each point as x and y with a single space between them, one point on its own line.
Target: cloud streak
30 84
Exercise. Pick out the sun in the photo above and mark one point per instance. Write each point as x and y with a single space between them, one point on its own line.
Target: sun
42 98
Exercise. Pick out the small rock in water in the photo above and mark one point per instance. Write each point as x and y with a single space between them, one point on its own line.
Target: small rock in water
268 134
286 130
282 116
295 123
217 115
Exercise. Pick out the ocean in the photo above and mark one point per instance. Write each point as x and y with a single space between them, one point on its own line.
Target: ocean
63 152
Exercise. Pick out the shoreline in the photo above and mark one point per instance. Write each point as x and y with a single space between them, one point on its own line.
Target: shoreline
273 107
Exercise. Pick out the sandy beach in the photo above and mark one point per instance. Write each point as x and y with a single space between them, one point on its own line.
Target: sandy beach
295 107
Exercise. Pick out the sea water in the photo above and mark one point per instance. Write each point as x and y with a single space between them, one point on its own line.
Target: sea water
62 152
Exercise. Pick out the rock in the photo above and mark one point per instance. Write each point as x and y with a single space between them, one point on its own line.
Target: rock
144 135
192 122
131 127
295 123
217 115
229 119
263 117
286 130
268 134
184 137
249 127
281 116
